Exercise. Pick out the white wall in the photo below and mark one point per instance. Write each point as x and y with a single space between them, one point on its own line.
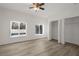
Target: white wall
57 11
7 15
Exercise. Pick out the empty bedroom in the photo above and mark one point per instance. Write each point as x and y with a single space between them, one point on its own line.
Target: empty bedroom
39 29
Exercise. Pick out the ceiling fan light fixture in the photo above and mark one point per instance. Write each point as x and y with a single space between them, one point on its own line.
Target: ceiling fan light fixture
37 6
36 9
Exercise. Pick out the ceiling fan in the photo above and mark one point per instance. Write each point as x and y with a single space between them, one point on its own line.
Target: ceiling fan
37 6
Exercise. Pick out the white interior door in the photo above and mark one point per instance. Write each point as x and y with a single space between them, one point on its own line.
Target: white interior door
72 30
54 30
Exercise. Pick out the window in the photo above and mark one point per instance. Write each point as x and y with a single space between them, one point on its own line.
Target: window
17 29
38 29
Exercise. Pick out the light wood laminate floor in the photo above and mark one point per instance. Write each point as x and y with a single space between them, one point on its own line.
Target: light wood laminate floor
39 47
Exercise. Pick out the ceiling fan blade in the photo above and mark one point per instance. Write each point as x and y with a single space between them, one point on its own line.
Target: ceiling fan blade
30 7
34 3
41 4
42 8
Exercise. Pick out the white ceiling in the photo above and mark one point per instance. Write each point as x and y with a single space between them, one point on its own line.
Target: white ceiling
52 10
23 7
